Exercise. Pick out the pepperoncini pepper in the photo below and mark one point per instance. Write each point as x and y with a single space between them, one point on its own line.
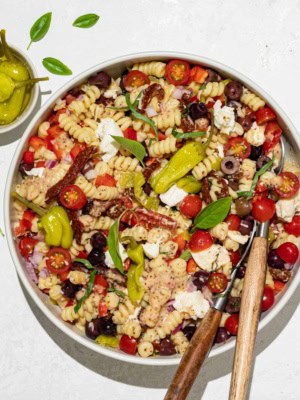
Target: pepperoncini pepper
136 254
110 341
189 184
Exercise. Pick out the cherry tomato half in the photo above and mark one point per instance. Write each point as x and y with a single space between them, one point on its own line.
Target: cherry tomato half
200 241
72 197
238 147
26 246
178 72
293 227
232 324
135 79
37 142
105 180
58 260
278 286
235 257
128 344
233 222
264 115
272 135
217 282
288 252
130 133
28 157
54 131
100 284
263 209
288 186
191 205
268 298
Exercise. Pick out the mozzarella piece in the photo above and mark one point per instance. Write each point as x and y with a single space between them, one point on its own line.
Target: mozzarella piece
173 196
213 258
36 172
109 261
105 130
192 303
238 237
287 208
224 117
151 250
256 135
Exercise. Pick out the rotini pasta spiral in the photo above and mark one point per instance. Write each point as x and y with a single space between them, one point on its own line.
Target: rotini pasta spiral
180 341
213 89
91 223
130 328
155 68
83 135
251 100
92 93
120 316
122 163
43 128
162 147
248 169
98 193
210 163
78 277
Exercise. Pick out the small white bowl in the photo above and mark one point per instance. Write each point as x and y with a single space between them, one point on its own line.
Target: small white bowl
115 68
34 93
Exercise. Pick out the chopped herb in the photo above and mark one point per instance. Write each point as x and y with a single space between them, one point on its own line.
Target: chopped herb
88 291
113 246
186 255
118 292
187 135
85 262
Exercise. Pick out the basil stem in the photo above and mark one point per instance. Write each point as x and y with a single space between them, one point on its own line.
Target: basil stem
40 28
118 292
86 21
56 67
88 291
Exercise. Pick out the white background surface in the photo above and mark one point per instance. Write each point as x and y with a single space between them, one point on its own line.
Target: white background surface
261 39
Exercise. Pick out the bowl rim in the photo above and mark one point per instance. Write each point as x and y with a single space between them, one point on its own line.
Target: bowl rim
130 59
34 94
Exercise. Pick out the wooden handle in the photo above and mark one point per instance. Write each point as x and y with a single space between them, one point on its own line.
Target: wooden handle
253 288
194 356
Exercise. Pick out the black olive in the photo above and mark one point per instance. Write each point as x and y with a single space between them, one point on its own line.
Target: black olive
101 79
230 165
166 347
88 206
233 304
256 152
91 329
212 76
147 188
200 279
274 260
96 257
106 326
241 272
262 161
189 331
222 335
69 289
198 110
243 207
246 122
98 241
233 90
76 92
245 227
25 167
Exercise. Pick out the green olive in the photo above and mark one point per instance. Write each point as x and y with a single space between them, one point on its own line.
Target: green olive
243 207
7 87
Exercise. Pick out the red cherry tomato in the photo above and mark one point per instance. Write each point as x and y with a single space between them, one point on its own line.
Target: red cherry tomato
272 135
200 241
37 142
40 164
191 205
78 148
233 222
232 324
130 133
288 252
263 209
54 131
105 180
135 79
268 298
235 257
278 286
238 147
288 186
217 282
128 344
26 246
58 260
72 197
198 74
293 228
178 72
264 115
28 157
191 266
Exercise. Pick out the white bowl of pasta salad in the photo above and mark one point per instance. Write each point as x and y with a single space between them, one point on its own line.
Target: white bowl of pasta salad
132 193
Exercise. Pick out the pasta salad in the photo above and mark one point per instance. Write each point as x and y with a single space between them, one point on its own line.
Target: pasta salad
137 194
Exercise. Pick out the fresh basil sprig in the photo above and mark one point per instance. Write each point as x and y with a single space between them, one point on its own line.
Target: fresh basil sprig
118 292
186 255
135 148
213 214
40 28
250 193
56 67
187 135
113 246
86 21
85 262
88 291
137 115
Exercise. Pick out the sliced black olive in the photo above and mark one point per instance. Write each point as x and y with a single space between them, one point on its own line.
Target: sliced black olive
262 161
230 165
233 90
198 110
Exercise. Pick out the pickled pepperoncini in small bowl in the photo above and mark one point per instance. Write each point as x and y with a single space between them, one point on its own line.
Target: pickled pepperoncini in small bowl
18 89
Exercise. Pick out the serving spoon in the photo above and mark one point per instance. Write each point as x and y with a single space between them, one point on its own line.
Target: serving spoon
203 338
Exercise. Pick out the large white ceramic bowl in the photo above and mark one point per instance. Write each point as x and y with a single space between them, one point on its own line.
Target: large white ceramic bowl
115 67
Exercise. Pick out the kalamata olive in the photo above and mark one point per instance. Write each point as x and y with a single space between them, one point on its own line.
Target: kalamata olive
230 165
243 207
98 240
189 331
92 329
233 90
96 257
212 76
75 92
222 335
106 326
200 279
245 227
166 347
88 206
256 152
69 289
25 167
147 188
241 272
274 260
233 304
102 80
262 161
246 122
198 110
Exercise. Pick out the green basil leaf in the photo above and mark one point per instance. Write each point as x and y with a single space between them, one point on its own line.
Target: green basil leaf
118 292
187 135
86 21
138 115
56 67
85 262
213 214
135 148
40 28
113 246
88 291
186 255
